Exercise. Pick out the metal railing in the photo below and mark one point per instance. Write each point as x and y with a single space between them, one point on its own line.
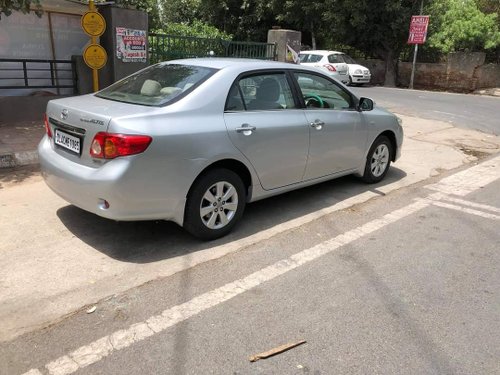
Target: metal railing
37 74
169 47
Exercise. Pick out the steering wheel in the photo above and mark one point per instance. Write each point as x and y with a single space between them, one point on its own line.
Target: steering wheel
313 100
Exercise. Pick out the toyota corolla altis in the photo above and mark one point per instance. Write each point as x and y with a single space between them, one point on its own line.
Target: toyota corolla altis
193 141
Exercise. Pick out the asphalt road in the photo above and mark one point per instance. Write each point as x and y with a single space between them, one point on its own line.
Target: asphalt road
464 111
406 283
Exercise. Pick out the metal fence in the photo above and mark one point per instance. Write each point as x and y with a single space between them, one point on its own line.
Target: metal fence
37 74
169 47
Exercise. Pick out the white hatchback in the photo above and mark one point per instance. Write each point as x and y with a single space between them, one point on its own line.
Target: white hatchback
358 74
330 62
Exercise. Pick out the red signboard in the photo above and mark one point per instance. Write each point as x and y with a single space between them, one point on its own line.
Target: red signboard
418 29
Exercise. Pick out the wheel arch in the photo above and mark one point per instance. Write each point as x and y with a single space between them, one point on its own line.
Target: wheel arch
392 137
233 165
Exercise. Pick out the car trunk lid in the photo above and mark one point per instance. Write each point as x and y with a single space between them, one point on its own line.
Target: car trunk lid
75 121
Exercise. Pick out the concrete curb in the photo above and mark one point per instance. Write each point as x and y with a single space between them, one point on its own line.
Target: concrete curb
489 92
18 159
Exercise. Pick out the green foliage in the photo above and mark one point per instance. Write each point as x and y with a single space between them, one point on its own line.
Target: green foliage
299 15
178 40
179 11
24 6
459 25
196 28
148 6
245 19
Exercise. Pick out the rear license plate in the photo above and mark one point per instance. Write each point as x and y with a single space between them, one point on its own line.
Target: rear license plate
67 141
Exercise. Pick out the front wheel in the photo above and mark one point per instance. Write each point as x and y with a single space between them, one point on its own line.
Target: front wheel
378 160
215 204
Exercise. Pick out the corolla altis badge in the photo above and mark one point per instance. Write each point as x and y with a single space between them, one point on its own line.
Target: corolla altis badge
64 114
92 121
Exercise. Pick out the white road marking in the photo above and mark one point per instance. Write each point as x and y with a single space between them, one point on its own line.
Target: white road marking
469 180
466 210
33 372
105 346
460 184
480 206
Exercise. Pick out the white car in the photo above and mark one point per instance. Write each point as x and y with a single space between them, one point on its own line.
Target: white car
358 74
330 62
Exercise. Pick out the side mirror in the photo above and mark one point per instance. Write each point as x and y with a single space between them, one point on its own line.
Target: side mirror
365 104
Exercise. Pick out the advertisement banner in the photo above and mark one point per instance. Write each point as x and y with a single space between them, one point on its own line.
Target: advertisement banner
418 29
131 45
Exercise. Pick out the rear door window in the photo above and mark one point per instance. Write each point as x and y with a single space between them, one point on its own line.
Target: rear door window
259 92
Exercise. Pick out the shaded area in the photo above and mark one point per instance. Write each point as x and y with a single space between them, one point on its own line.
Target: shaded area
9 176
151 241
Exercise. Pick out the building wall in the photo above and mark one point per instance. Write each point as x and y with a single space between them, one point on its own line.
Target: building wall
57 34
463 72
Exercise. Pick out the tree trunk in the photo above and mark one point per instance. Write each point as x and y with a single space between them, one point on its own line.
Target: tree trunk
391 69
313 37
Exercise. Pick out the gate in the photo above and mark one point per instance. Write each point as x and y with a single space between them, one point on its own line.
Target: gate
38 74
169 47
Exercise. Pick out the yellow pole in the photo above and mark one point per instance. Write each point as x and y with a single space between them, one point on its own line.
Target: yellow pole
93 40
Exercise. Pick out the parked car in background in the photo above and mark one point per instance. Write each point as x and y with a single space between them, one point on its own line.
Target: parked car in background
358 74
328 61
193 141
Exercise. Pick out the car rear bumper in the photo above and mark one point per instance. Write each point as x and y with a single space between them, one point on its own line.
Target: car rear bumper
88 187
343 77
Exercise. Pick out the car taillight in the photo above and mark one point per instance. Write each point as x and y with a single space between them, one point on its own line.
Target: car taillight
110 145
47 126
331 68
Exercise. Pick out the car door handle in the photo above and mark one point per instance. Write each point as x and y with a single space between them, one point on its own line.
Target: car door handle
246 129
317 124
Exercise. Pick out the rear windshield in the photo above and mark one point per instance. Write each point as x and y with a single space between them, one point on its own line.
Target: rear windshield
309 58
158 85
335 59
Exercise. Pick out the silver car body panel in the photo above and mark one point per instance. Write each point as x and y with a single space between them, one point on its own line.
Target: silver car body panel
192 134
278 146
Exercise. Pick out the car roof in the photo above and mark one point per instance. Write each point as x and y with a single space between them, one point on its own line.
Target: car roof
221 63
323 52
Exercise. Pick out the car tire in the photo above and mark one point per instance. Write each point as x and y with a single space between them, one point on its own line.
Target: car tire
350 81
378 160
214 204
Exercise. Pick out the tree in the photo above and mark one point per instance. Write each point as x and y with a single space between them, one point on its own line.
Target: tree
7 6
377 27
303 16
459 25
245 19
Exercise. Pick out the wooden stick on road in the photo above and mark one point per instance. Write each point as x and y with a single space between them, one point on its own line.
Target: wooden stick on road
277 350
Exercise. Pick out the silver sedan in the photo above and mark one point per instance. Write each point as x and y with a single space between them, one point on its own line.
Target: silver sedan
193 141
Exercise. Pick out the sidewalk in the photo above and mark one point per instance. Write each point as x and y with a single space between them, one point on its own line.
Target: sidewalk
18 143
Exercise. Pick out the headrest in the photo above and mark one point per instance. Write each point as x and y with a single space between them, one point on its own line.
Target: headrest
150 88
268 90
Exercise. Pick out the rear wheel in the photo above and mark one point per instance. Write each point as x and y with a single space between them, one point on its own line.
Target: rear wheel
215 204
378 160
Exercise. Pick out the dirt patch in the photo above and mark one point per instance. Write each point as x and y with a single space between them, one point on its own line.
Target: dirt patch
13 176
476 153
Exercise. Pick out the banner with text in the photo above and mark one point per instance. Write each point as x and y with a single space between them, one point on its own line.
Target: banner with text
418 29
131 45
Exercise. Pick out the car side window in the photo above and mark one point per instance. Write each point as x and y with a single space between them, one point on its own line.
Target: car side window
234 101
309 58
335 59
319 92
260 92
